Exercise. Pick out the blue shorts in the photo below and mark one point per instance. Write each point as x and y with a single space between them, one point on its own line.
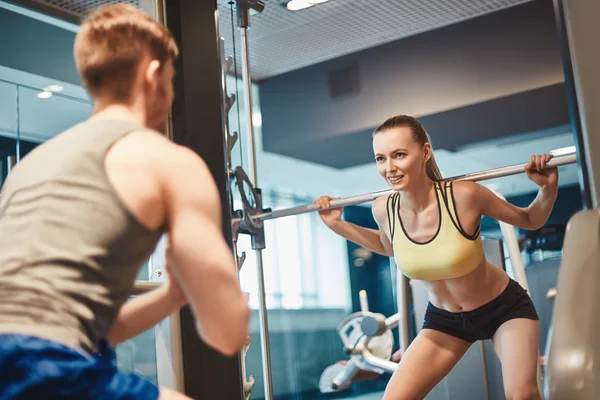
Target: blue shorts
34 368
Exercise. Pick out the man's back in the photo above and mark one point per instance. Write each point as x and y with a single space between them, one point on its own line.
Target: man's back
69 248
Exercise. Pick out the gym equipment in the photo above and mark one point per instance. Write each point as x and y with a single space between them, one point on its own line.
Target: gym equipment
368 340
248 384
229 142
364 198
572 346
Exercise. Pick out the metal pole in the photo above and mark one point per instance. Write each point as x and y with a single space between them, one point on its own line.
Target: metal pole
247 79
247 384
392 322
514 252
486 384
262 308
264 329
177 352
11 161
372 359
403 288
142 287
364 198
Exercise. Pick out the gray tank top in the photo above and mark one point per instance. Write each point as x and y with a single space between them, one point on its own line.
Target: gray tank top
69 248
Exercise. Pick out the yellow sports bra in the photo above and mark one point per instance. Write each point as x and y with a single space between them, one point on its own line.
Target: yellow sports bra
451 253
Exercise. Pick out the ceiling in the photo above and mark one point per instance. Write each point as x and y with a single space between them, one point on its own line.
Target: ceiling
82 7
71 10
283 40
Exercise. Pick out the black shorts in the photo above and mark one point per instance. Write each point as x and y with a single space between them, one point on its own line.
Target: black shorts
483 322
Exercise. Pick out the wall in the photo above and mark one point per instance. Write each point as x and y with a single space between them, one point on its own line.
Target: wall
49 48
488 58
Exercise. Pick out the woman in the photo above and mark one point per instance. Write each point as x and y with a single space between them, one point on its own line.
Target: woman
431 227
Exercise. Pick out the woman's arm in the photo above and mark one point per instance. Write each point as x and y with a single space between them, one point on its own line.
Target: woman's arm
536 214
374 240
370 239
532 217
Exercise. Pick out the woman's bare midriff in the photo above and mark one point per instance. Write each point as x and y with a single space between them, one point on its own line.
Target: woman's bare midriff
468 292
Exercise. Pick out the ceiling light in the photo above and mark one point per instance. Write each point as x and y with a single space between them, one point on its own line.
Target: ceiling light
44 95
563 150
54 88
295 5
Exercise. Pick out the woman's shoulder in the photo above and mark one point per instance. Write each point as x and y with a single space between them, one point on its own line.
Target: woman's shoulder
380 208
463 190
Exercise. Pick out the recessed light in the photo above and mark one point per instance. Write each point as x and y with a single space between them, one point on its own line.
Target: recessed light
44 95
54 88
295 5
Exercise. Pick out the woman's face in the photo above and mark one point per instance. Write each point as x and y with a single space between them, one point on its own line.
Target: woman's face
399 158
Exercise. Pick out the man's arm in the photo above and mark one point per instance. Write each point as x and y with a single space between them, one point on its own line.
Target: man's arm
204 265
142 313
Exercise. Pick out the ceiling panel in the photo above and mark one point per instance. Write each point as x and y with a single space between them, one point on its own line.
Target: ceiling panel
283 40
82 7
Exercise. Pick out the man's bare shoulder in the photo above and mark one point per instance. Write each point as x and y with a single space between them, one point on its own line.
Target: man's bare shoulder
168 164
153 147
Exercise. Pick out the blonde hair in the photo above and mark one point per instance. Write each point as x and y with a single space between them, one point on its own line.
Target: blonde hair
431 168
111 44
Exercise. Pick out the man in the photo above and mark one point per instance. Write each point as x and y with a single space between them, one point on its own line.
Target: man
81 214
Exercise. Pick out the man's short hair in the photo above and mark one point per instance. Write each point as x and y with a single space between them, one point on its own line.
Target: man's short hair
110 45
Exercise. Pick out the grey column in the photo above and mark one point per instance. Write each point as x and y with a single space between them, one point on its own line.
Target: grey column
578 34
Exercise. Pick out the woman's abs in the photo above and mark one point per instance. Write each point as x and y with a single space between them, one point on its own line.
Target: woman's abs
470 291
